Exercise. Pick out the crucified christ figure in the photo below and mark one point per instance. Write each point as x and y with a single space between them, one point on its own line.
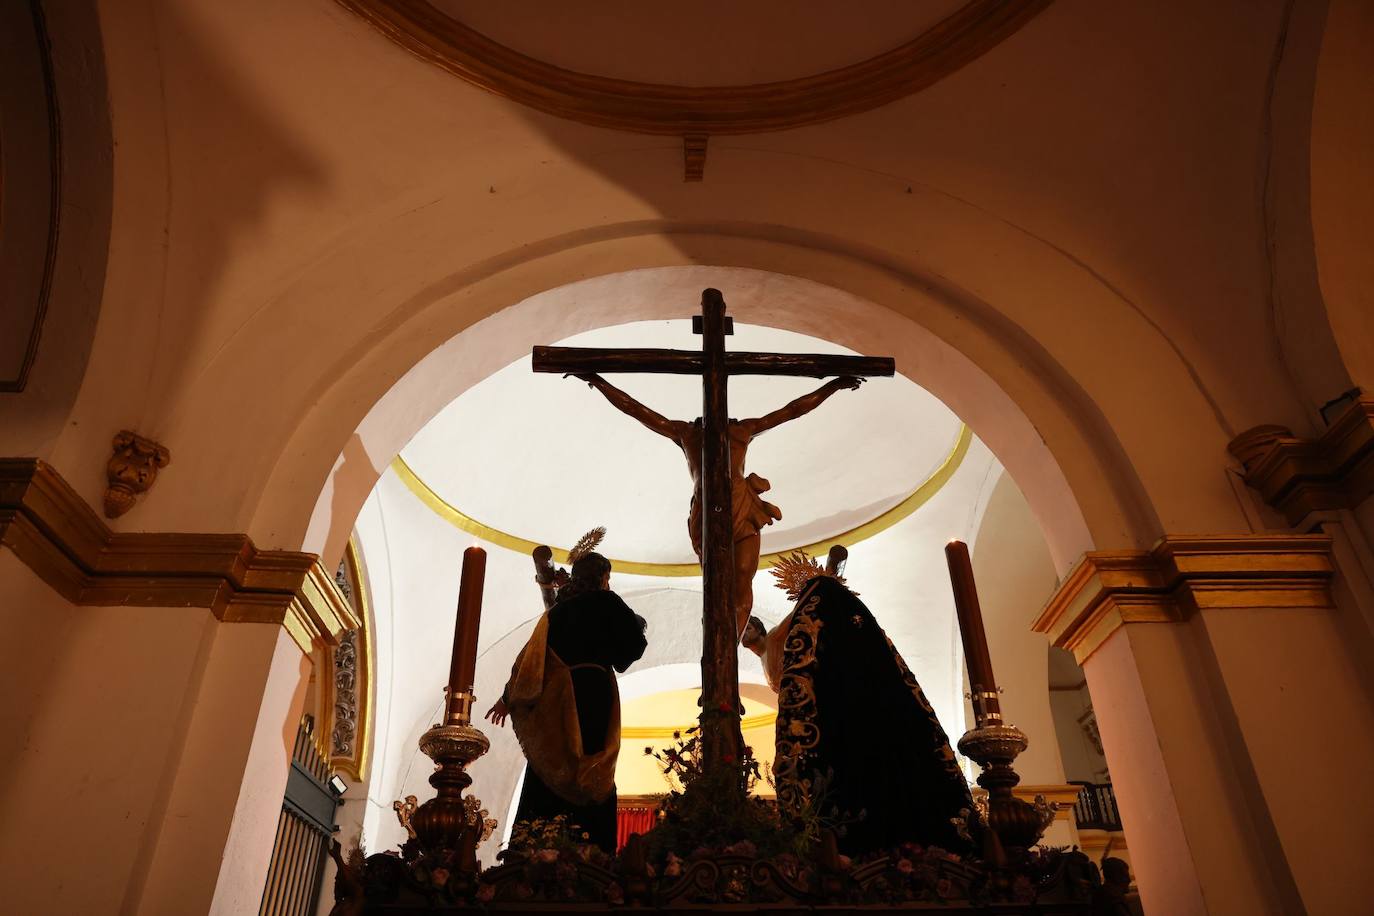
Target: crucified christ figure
751 512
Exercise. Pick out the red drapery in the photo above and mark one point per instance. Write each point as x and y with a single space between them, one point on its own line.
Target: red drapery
629 821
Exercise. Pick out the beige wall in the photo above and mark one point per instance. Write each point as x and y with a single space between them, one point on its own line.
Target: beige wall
161 736
96 705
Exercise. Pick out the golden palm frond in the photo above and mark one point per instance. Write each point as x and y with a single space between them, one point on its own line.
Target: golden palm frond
793 571
586 544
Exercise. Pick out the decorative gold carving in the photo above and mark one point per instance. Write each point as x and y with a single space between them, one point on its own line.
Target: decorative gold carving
1088 722
793 571
478 818
405 810
52 529
346 675
1180 576
694 157
131 470
919 497
1301 476
653 108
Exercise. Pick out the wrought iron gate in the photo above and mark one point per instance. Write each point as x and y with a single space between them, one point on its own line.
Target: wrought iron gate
304 831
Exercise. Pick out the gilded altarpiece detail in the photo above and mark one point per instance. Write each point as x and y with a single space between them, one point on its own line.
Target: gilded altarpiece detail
346 676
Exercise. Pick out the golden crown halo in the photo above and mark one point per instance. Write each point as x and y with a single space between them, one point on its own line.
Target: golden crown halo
586 544
793 571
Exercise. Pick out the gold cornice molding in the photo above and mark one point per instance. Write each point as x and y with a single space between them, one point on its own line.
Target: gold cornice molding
59 536
655 108
1300 476
1180 576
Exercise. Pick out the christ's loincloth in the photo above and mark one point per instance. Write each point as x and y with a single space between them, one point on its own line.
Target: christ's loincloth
751 512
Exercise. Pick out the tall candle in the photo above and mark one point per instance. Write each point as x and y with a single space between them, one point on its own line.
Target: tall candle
464 666
980 677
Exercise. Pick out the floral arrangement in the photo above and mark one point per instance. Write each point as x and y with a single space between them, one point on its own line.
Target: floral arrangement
557 863
714 810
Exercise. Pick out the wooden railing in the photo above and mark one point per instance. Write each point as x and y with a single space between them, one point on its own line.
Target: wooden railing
304 829
1096 807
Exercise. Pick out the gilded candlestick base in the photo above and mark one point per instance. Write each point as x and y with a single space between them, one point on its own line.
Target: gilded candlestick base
450 826
1017 824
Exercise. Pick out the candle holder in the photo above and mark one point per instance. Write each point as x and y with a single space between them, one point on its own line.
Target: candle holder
994 746
449 826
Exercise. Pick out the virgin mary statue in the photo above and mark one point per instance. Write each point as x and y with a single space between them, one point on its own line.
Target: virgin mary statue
854 725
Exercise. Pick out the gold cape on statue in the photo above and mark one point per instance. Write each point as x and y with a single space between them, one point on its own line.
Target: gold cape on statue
543 711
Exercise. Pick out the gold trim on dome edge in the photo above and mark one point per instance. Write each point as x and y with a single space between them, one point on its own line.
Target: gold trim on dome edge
919 497
656 108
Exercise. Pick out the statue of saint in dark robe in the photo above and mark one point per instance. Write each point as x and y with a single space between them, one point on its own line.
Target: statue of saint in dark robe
564 703
855 733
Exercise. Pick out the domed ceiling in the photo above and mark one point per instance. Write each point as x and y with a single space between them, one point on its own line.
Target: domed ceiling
709 68
544 459
709 43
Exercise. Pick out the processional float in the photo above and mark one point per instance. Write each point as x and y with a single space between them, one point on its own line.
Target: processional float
437 865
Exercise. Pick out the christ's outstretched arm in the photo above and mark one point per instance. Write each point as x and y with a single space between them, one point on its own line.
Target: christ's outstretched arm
801 406
629 406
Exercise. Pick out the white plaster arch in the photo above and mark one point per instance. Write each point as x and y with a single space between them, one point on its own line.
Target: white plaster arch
845 319
1105 479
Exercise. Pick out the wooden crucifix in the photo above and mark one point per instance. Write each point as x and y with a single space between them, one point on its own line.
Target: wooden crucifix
720 728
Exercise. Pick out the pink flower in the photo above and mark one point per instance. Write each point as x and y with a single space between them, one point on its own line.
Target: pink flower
439 876
845 862
546 855
672 869
486 892
904 866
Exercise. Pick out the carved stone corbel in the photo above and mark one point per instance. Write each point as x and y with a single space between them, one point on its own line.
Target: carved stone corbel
131 470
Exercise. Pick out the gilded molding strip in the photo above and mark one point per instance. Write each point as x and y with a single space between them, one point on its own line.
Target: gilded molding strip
919 497
1180 576
654 108
1301 476
367 663
57 535
641 732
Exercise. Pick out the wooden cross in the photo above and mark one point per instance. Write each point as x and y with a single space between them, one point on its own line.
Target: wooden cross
720 729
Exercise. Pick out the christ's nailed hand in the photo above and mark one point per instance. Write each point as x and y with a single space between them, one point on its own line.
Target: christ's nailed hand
498 712
852 382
